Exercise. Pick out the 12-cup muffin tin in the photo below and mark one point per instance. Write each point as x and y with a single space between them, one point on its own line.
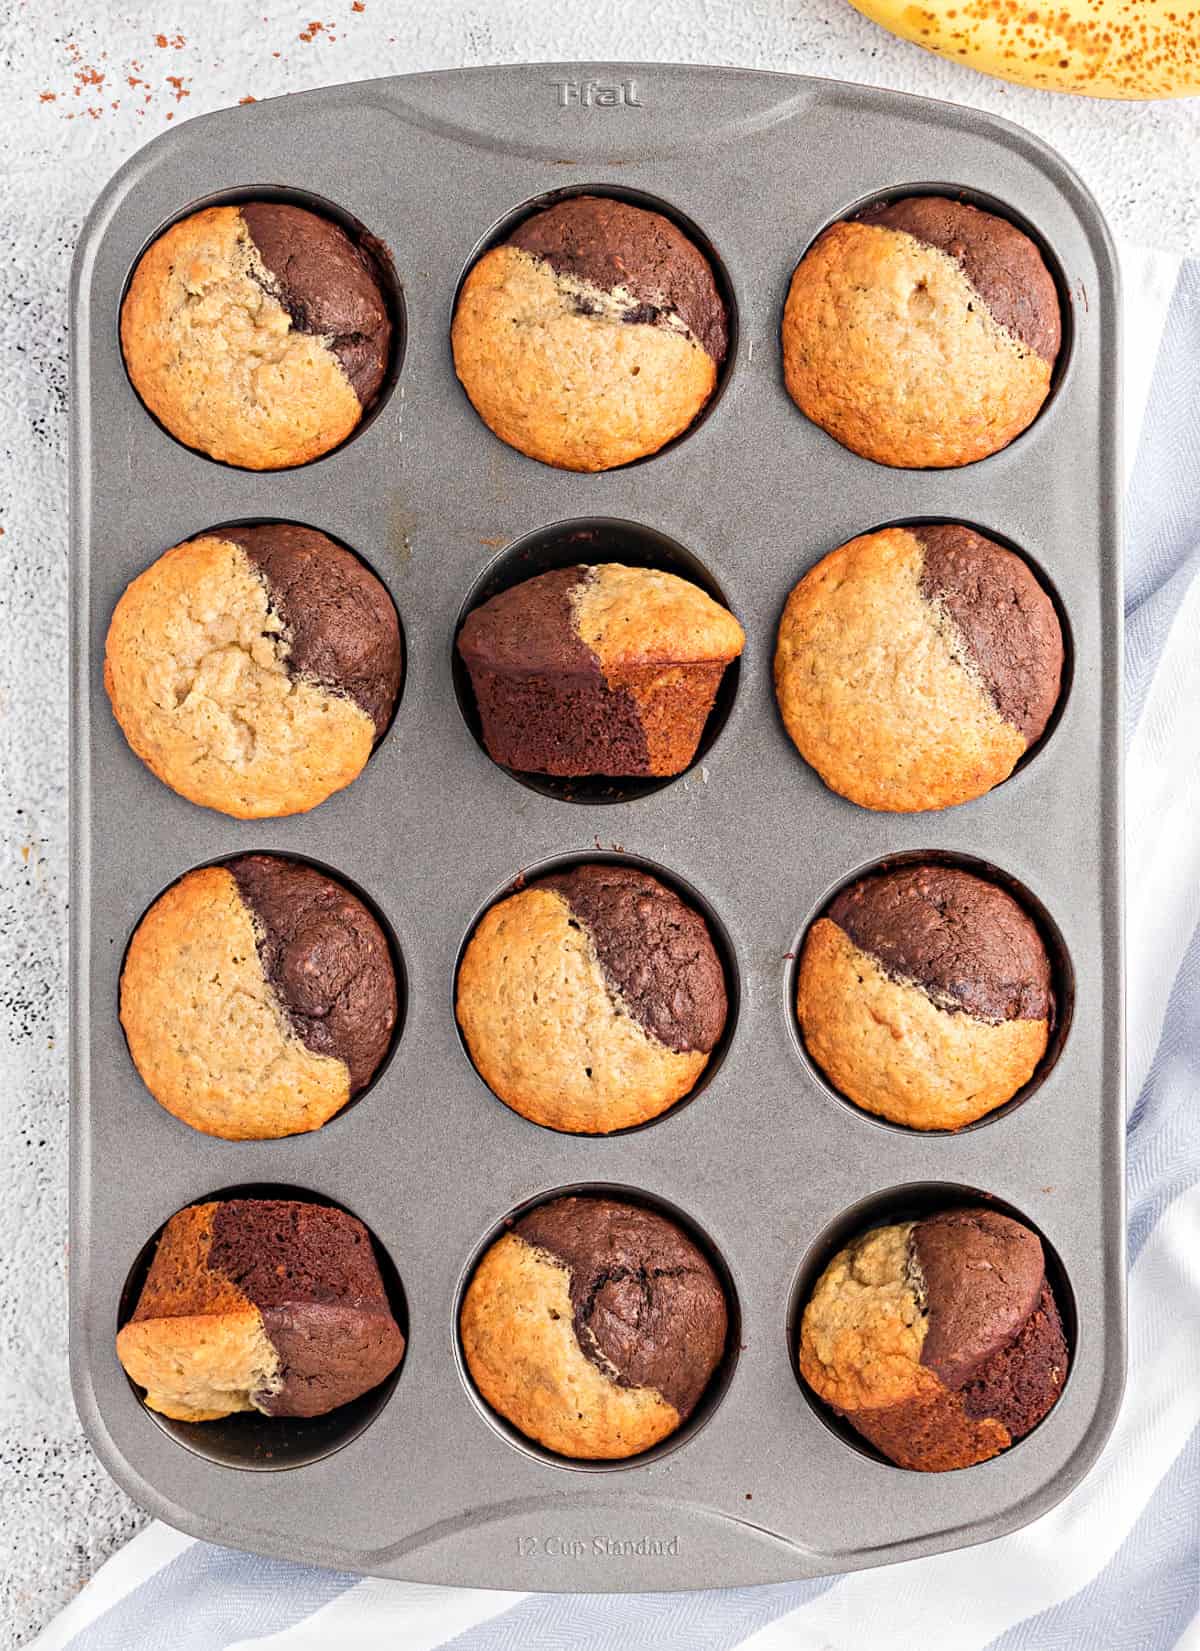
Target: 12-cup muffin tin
765 1163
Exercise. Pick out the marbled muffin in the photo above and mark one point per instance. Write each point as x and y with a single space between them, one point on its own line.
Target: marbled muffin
592 999
925 995
939 1340
593 1327
592 336
253 669
915 666
260 1304
598 670
257 997
258 334
921 334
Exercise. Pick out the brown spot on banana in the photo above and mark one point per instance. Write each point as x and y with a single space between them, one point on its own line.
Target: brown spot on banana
1095 48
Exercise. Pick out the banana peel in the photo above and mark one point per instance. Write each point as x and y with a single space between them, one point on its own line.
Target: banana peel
1097 48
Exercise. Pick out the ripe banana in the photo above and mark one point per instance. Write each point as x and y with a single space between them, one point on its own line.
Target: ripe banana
1100 48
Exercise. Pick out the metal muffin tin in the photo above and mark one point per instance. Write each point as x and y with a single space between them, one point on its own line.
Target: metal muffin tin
766 1163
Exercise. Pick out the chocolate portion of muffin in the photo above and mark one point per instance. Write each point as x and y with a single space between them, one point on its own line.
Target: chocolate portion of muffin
535 731
329 287
993 1334
311 1272
1004 617
939 1340
260 1304
614 246
649 1311
983 1276
340 621
1001 262
655 951
325 957
964 941
530 628
277 1251
1020 1383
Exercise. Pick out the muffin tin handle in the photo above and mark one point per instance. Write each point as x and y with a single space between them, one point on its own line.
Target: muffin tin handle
600 113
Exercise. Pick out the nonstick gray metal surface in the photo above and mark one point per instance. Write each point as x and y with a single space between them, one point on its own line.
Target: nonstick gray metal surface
768 1166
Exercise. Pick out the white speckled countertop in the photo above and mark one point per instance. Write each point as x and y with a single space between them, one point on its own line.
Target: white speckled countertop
85 85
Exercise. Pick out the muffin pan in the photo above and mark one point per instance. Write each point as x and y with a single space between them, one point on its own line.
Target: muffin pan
767 1167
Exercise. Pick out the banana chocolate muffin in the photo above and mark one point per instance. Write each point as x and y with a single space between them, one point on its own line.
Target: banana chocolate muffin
258 334
938 1340
922 333
915 666
254 669
594 1327
257 997
925 996
598 670
260 1304
591 999
592 336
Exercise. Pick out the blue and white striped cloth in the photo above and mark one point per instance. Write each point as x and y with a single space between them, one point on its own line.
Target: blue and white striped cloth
1116 1567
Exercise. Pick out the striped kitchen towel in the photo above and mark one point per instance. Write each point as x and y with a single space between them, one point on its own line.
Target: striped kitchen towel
1115 1567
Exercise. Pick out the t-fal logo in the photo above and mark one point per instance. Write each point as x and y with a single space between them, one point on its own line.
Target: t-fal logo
597 94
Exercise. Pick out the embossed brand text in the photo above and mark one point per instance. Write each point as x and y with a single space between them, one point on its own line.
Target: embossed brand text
597 94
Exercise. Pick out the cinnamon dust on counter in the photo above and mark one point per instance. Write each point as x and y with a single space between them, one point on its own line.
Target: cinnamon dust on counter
90 78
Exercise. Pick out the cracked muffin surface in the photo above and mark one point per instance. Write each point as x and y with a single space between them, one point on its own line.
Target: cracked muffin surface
925 995
922 333
592 336
254 669
260 1304
257 334
258 997
915 666
594 1327
939 1340
591 1000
